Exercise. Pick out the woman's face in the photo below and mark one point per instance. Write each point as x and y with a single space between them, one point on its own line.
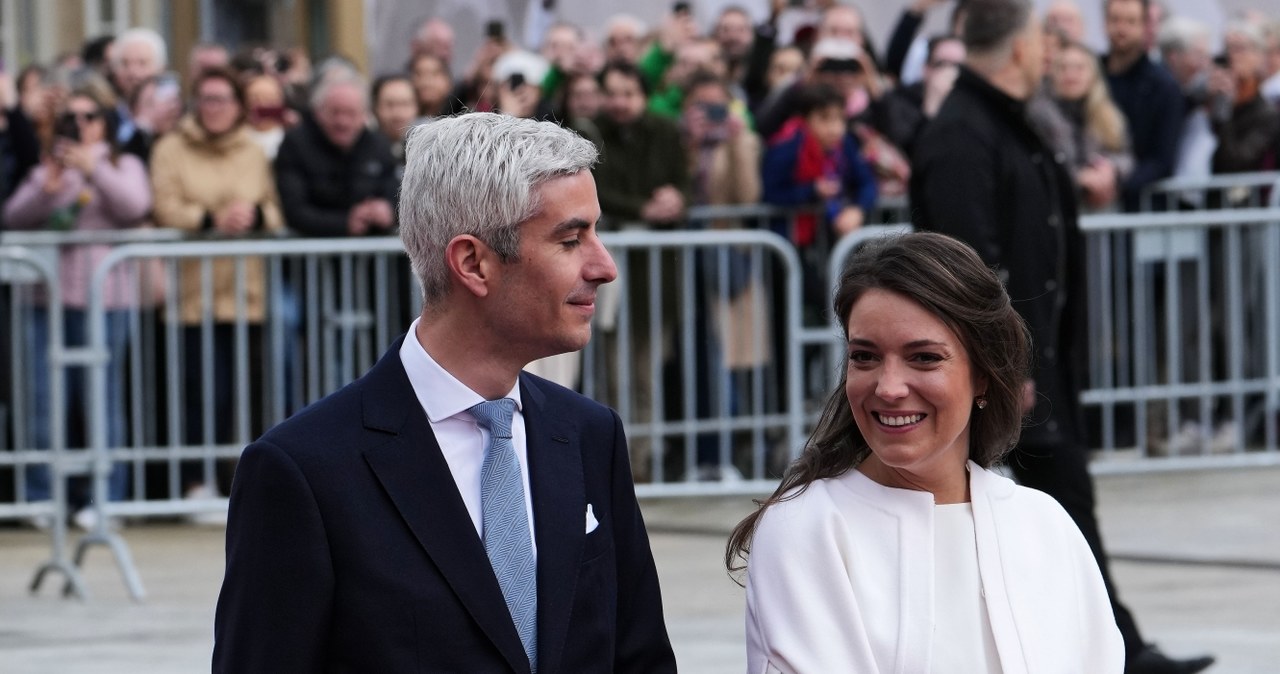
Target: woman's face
431 81
911 388
584 98
1072 74
266 102
216 106
395 109
89 117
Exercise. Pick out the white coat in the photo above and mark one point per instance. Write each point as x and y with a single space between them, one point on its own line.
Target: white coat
840 579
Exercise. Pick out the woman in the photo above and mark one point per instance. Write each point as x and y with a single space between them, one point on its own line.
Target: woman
210 176
394 109
1097 142
83 183
432 84
890 546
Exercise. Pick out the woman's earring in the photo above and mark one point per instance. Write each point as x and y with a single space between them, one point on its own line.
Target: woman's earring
981 402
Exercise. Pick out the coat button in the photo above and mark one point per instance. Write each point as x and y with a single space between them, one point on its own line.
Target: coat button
1037 158
1048 352
1054 220
1052 426
1060 157
1051 285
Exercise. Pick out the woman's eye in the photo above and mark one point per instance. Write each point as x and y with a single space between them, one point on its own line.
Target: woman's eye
860 357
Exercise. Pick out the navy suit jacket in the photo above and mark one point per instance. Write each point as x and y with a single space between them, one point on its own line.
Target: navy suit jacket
349 548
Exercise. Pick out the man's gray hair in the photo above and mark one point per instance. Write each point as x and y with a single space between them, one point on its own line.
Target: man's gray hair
334 72
991 25
1181 33
478 174
144 36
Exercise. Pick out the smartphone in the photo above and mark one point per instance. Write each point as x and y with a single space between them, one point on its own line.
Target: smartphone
1222 61
681 7
167 87
67 127
494 30
516 81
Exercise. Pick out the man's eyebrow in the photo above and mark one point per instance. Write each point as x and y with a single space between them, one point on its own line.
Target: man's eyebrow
570 225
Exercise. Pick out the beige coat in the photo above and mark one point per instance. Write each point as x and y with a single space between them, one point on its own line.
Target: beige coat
732 176
193 175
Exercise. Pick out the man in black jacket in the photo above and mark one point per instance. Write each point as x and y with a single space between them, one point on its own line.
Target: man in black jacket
335 176
983 174
1147 95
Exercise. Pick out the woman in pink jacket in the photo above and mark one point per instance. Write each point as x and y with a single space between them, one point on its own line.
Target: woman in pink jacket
84 183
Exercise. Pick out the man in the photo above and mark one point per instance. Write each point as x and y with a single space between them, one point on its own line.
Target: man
1184 50
1065 17
435 36
206 56
138 55
901 113
623 39
983 174
385 529
734 32
1145 93
337 177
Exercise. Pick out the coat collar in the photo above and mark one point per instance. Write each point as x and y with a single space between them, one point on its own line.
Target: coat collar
414 473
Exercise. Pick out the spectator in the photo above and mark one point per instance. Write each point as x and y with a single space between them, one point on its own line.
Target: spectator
670 76
837 63
206 56
1098 144
570 54
82 184
786 67
730 331
158 100
1065 18
435 37
642 173
95 55
1271 85
816 161
475 89
906 54
137 55
1184 49
20 134
514 86
901 114
1246 125
211 177
394 108
336 177
432 85
581 103
1145 93
734 33
624 39
266 115
642 182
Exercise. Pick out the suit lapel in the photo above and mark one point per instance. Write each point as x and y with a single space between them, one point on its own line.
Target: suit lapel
559 515
415 475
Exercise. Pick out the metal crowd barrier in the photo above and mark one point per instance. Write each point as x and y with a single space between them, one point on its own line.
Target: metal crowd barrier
706 345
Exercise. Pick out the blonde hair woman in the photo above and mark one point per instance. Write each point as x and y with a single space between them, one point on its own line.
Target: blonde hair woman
1099 141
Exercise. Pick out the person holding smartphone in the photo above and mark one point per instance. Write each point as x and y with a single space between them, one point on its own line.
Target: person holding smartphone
83 183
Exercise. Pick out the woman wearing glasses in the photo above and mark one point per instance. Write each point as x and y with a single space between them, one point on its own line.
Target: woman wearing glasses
82 184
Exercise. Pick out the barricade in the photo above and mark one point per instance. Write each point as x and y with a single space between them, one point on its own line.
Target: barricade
24 274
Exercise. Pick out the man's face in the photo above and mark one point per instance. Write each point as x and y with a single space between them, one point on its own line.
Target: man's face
733 32
1243 54
435 38
341 115
624 100
622 44
137 62
1187 64
1032 38
693 56
1126 26
1065 16
841 22
395 108
545 300
560 46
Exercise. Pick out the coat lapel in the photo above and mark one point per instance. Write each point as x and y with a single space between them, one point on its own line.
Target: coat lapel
559 516
415 475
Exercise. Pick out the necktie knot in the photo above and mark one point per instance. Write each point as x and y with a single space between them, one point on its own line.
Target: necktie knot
495 416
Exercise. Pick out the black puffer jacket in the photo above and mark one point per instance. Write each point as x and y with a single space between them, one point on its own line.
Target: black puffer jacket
319 183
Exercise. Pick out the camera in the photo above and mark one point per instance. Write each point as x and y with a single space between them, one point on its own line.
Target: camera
717 113
494 30
840 66
67 127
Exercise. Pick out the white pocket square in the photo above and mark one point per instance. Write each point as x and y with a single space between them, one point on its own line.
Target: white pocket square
591 520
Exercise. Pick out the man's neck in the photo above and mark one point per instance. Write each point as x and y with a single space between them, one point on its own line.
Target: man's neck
1006 78
456 350
1119 62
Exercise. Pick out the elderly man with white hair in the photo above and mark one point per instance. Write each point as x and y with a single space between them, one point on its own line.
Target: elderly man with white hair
136 56
337 177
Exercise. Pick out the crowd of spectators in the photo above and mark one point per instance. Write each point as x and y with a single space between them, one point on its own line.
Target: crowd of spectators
802 109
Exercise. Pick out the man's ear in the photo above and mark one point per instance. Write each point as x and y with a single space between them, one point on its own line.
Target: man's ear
471 263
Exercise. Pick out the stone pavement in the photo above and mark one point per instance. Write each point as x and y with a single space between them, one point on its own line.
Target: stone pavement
1197 559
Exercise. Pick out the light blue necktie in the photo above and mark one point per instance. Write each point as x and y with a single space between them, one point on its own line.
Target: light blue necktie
507 540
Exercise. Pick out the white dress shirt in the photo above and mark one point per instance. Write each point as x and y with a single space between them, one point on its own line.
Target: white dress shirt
462 441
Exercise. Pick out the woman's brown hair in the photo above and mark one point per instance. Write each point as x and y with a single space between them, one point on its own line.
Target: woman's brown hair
949 280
